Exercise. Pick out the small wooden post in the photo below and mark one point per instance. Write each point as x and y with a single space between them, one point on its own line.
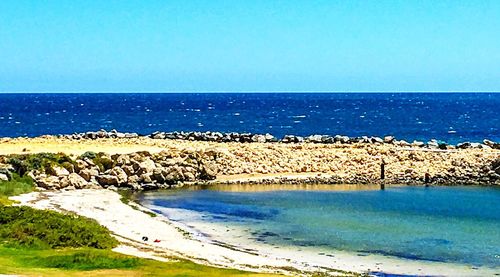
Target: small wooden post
382 175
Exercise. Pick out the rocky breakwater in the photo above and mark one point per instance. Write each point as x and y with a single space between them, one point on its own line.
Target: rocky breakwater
138 171
268 138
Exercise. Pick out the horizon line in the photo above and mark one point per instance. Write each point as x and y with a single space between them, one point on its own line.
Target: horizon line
243 91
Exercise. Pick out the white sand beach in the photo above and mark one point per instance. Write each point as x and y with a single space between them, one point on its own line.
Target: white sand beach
174 240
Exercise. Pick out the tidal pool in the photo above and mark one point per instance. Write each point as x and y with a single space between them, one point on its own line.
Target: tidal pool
444 224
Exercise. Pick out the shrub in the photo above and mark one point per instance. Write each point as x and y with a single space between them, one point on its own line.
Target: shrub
17 185
41 161
89 155
25 226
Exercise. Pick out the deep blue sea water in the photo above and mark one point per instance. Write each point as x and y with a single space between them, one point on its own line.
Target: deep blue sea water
446 224
447 117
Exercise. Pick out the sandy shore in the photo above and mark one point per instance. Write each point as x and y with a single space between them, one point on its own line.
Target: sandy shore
176 240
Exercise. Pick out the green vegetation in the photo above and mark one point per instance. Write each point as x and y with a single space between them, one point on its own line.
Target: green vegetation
93 262
28 227
42 161
17 185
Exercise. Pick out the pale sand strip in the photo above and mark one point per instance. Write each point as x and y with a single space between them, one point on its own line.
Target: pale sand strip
130 225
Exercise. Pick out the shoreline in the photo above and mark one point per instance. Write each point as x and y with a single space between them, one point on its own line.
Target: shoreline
176 240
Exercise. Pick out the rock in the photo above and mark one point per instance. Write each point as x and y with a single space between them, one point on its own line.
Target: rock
122 160
158 176
5 172
146 166
50 182
402 143
76 181
315 138
107 180
207 172
146 178
259 138
133 180
188 176
389 139
57 171
88 173
113 188
270 138
80 165
128 169
3 177
377 140
488 142
433 144
416 143
341 139
463 145
119 174
292 139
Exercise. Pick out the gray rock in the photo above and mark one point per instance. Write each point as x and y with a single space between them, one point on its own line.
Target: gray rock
389 139
433 144
464 145
341 139
402 143
377 140
417 144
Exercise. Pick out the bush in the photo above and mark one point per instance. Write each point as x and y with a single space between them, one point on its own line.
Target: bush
17 185
89 155
41 161
25 226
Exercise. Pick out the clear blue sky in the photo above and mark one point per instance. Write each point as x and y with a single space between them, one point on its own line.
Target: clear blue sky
250 45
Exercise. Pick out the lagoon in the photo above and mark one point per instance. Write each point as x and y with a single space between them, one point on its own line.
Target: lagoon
458 225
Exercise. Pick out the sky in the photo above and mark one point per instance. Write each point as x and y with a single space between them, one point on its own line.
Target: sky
249 45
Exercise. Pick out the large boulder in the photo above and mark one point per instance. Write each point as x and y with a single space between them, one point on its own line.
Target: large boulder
107 180
49 182
88 173
119 173
57 170
146 166
208 171
74 180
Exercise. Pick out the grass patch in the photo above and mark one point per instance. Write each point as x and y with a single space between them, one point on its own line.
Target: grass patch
94 262
17 185
28 227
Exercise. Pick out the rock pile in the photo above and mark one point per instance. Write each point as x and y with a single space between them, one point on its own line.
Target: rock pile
138 171
268 138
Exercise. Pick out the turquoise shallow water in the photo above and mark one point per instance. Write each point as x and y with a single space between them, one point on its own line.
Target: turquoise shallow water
446 224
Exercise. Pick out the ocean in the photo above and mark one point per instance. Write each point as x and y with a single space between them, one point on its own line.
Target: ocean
450 117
